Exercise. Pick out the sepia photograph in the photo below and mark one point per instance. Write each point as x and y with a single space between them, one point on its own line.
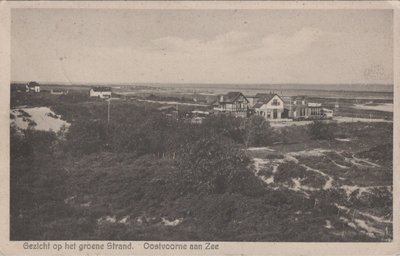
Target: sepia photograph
229 125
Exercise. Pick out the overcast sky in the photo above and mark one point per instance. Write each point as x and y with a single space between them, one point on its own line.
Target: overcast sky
203 46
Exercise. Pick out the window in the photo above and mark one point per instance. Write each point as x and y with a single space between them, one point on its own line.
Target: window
275 102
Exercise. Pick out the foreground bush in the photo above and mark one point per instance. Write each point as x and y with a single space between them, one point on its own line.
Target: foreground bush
257 132
216 165
320 130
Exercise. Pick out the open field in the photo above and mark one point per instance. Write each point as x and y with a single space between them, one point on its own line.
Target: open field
144 177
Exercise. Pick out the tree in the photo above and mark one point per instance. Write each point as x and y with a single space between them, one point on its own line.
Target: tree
257 131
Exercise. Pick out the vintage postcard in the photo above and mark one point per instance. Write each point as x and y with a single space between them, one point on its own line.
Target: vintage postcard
199 128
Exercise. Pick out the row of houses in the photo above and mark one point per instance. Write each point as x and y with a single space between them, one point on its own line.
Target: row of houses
271 106
34 87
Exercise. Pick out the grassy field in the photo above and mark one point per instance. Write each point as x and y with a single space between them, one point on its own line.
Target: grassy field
143 177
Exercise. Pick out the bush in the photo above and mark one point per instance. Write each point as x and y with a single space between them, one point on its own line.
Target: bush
214 165
320 130
86 137
224 125
381 153
257 132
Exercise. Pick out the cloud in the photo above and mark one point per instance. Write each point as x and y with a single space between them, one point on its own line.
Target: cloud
279 46
305 55
223 44
239 44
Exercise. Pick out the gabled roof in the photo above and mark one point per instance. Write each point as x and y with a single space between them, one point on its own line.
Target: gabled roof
101 89
230 97
264 98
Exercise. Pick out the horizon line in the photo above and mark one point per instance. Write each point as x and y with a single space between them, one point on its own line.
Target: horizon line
197 83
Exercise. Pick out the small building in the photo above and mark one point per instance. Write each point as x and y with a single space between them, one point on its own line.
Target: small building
302 109
198 116
100 92
171 112
269 106
32 87
233 102
58 92
327 113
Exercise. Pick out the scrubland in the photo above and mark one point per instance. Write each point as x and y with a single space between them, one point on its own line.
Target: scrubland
142 176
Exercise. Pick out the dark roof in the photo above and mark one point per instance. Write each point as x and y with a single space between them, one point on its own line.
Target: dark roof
265 97
230 97
258 105
101 89
32 84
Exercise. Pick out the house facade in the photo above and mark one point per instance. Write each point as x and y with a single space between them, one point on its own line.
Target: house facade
100 92
233 102
32 87
270 106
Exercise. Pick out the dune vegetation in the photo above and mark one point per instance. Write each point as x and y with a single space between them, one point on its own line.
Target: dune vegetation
143 176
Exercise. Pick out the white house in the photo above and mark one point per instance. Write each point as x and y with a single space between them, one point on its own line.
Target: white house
32 87
269 106
100 92
301 108
58 92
